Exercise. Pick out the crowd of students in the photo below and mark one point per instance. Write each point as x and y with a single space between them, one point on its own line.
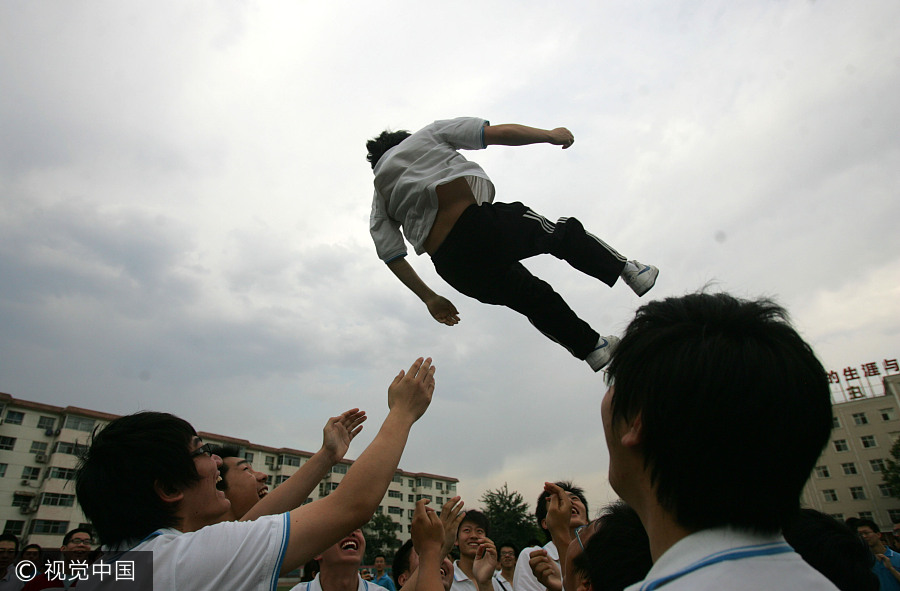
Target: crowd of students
715 412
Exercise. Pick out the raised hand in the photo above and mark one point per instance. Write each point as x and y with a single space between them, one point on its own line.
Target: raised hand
410 392
339 432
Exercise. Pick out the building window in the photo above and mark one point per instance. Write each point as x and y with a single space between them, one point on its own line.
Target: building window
887 414
849 469
424 482
835 423
860 418
2 470
57 500
14 527
395 510
411 483
80 423
20 500
7 443
877 465
420 497
397 478
841 445
439 500
894 514
30 473
270 461
866 515
857 493
394 494
439 485
822 472
62 473
14 417
281 478
379 510
248 455
830 495
288 460
838 516
885 490
46 526
410 513
38 447
409 528
451 487
74 449
868 441
339 469
46 423
410 498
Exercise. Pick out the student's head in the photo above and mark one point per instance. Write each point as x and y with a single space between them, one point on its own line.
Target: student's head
608 554
472 530
869 532
243 485
347 553
380 563
579 506
406 561
833 549
77 544
33 553
719 408
507 554
380 144
139 471
9 548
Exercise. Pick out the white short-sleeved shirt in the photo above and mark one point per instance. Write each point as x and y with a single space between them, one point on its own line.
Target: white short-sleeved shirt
723 558
407 177
238 555
524 579
316 585
461 582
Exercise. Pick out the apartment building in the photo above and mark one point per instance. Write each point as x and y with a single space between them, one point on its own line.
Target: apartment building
40 445
847 480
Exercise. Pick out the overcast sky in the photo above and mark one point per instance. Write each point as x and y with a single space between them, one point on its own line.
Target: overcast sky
185 203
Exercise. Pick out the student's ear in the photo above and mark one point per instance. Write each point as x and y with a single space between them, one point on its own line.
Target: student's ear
167 493
633 434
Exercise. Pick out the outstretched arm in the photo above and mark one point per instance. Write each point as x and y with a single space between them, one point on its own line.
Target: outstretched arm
318 525
440 307
336 437
513 134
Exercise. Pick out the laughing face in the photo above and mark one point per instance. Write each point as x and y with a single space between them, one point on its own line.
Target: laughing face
468 537
348 551
244 486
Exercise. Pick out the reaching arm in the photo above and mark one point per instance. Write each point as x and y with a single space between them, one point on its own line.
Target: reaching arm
336 437
512 134
428 538
559 514
316 526
440 307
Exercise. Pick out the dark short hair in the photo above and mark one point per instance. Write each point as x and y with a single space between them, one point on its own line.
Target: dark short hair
10 538
400 565
867 523
117 478
540 508
508 544
78 530
30 546
383 142
225 451
618 554
478 518
735 408
833 549
377 556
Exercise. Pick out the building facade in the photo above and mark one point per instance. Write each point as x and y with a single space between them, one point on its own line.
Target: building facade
847 480
40 445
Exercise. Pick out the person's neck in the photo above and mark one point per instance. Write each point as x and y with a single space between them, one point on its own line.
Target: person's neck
662 529
508 573
878 549
339 578
379 573
467 566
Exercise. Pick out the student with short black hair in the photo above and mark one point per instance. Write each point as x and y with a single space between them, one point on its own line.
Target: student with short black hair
148 482
716 414
474 571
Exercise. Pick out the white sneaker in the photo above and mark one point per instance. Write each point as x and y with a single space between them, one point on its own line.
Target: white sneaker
641 278
602 353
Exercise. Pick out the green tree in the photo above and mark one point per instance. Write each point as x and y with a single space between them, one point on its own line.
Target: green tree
891 474
511 519
381 538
